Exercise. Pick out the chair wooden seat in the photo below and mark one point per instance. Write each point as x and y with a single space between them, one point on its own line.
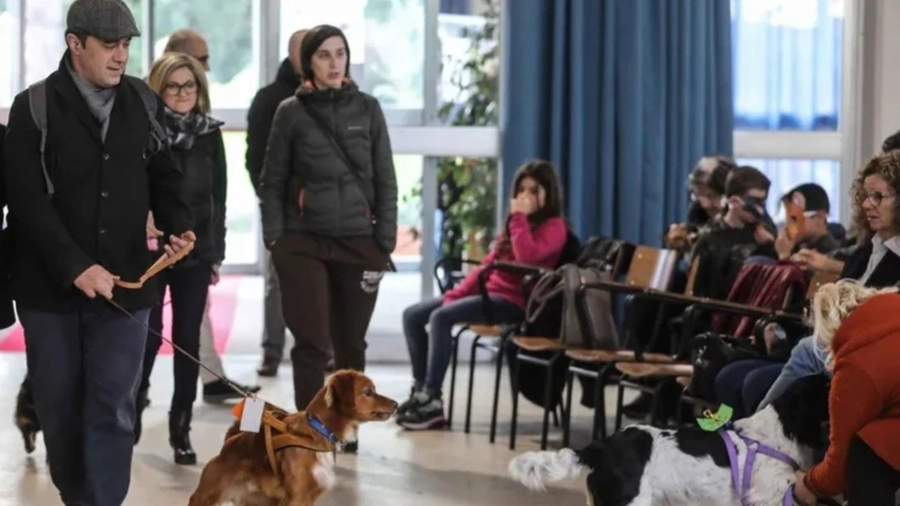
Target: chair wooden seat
612 356
644 369
484 330
537 343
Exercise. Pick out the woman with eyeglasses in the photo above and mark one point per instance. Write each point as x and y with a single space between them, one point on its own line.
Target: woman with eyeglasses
195 140
875 263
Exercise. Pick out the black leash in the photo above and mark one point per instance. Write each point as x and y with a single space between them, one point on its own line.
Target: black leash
181 350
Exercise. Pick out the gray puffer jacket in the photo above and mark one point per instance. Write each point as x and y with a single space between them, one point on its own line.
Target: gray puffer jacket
307 186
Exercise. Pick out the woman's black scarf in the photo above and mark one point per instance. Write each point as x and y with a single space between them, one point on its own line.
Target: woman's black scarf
183 129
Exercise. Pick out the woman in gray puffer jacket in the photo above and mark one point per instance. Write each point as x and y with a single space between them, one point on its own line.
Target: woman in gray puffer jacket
329 210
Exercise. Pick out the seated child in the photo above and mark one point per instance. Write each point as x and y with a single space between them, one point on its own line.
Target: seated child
535 234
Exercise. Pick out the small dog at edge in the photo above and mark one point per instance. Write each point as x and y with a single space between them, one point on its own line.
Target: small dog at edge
647 466
243 474
26 416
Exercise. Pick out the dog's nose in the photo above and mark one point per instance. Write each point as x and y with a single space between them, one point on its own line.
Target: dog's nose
394 405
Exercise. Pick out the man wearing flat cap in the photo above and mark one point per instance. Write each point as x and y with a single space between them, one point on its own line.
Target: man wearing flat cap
78 214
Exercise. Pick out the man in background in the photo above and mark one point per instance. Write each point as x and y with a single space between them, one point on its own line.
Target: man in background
190 42
259 123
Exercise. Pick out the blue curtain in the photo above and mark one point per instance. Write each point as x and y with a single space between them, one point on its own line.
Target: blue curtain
623 97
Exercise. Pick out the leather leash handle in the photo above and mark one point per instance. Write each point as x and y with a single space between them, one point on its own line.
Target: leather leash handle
164 262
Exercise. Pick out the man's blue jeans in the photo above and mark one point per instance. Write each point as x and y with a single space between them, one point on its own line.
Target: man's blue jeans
805 360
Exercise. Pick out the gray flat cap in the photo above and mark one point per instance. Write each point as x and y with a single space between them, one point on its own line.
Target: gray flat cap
108 20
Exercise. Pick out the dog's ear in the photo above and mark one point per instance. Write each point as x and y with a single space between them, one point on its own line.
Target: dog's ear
803 409
340 389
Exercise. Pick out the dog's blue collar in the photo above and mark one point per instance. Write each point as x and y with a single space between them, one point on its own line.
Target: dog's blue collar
320 427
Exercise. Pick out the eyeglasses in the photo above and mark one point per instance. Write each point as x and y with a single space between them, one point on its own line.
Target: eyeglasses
189 88
875 197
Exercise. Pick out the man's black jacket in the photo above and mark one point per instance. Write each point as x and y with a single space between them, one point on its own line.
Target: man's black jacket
260 116
7 314
103 192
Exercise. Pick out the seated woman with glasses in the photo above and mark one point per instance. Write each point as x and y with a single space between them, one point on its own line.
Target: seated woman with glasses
875 263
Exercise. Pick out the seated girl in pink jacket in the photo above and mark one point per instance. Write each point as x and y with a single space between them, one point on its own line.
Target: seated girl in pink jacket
535 234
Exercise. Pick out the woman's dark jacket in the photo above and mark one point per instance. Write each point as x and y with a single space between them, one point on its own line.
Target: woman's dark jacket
204 190
308 186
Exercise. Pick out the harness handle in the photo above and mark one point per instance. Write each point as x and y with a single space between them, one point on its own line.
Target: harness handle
164 262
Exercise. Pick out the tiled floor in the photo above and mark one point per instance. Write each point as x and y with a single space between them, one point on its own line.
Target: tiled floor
394 467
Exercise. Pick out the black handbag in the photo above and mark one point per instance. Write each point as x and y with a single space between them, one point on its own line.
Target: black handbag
710 353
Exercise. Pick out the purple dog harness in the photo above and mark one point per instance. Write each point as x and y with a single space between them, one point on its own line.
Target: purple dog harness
741 487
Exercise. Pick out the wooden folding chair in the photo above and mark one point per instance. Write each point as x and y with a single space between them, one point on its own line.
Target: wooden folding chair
599 365
650 268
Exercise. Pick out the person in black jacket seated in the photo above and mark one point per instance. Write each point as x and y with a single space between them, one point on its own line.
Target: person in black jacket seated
875 263
706 187
328 195
199 151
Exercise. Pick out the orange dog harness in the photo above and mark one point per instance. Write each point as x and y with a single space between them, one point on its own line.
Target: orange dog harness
278 437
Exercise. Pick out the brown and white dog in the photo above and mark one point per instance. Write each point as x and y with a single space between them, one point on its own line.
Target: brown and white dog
296 467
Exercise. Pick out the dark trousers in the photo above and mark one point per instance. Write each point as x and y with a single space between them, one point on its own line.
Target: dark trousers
189 287
870 480
429 351
85 367
325 303
743 384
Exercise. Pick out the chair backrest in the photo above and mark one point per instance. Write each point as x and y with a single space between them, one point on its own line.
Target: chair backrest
652 268
692 277
819 279
767 286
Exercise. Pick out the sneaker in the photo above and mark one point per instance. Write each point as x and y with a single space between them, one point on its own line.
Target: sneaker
428 413
219 391
408 405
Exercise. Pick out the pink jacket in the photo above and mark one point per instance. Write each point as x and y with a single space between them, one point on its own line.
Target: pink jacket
541 247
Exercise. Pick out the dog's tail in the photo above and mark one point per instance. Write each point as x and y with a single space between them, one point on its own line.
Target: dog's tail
535 469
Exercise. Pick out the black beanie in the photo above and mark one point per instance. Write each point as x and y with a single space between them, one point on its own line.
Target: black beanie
311 42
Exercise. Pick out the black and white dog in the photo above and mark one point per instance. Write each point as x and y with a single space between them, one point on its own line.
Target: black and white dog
647 466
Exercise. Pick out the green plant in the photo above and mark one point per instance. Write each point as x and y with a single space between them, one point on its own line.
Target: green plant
467 187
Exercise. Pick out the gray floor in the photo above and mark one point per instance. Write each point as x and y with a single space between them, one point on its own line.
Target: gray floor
393 467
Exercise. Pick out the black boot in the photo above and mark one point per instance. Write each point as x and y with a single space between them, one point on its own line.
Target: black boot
140 403
179 427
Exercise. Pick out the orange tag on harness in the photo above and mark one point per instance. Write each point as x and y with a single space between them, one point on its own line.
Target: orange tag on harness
238 409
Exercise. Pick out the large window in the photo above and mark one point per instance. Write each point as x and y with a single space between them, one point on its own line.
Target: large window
787 174
387 43
787 64
228 27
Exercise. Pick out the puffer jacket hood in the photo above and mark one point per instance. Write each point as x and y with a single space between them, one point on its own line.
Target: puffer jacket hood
874 320
311 42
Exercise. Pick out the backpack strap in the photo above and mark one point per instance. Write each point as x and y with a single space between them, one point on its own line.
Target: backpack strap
150 100
37 102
